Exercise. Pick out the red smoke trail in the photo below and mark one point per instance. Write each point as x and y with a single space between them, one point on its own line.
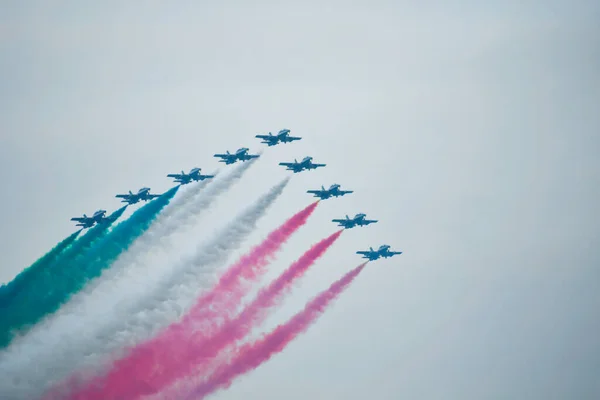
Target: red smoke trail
201 351
149 364
254 314
251 355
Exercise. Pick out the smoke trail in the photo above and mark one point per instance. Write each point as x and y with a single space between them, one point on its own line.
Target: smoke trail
188 216
87 339
252 355
201 350
160 235
28 305
147 362
182 201
9 290
205 349
57 285
185 197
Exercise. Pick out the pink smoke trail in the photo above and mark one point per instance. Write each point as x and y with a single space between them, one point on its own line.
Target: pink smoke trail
201 351
252 355
151 361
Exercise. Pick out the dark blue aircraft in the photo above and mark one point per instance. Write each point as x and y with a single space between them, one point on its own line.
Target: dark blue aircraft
240 155
333 191
358 220
143 194
304 165
382 252
283 136
88 222
193 175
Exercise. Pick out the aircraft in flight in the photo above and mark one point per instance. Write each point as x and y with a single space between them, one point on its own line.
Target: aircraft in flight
305 164
333 191
283 136
88 222
382 251
358 220
142 194
240 155
193 175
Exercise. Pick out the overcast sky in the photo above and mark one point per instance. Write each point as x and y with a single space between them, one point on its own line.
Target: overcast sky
470 130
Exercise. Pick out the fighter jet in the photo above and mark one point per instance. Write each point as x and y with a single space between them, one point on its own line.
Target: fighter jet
305 164
283 136
88 222
382 252
358 220
333 191
193 175
240 155
142 194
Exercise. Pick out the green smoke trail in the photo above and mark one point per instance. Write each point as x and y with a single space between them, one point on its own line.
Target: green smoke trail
18 314
9 290
69 250
58 284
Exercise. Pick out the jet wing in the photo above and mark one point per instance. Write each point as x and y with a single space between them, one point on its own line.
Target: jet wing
338 220
152 196
315 191
123 196
80 219
176 176
318 165
266 137
202 177
249 156
363 252
287 164
224 155
343 192
369 221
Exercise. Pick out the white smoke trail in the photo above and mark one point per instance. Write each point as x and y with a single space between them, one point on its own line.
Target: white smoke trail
132 309
158 237
184 196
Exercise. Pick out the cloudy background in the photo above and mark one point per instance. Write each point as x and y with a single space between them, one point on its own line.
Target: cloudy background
471 131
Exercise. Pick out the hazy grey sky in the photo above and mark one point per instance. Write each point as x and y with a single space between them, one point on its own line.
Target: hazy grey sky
470 130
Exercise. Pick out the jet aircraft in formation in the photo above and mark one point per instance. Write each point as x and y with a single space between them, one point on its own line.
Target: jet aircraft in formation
143 194
333 191
193 175
87 222
382 252
283 136
241 154
358 220
304 165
